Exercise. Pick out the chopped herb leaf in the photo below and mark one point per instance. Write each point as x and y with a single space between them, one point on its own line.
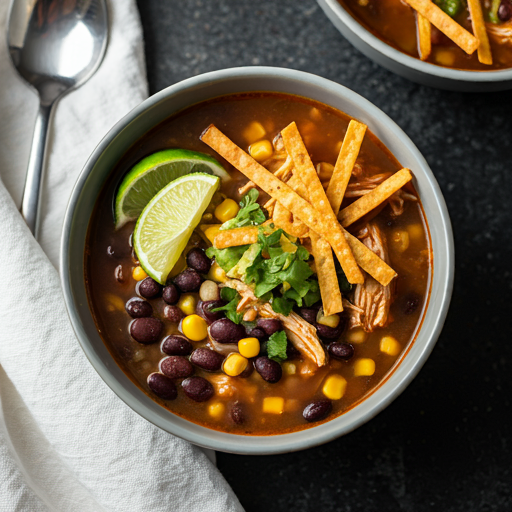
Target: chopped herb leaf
232 298
343 283
250 213
226 258
282 305
276 346
450 7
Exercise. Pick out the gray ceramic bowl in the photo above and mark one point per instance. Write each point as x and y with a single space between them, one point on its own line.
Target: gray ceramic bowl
203 87
409 67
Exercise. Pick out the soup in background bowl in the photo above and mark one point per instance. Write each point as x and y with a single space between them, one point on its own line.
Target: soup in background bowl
295 343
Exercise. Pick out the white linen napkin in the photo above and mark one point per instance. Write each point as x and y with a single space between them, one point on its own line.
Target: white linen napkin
67 443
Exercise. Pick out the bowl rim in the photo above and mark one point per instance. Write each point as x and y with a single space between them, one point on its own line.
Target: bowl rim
323 432
359 30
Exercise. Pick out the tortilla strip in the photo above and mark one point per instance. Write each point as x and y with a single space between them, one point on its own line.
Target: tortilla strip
284 219
324 262
283 173
449 27
274 187
424 36
326 272
478 24
372 199
345 163
369 261
316 195
235 237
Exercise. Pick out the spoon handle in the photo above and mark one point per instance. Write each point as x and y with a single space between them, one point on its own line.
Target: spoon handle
36 164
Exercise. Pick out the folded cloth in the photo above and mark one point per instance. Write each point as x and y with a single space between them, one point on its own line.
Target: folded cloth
67 443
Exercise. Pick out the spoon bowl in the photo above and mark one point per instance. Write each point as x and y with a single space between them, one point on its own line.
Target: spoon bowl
55 46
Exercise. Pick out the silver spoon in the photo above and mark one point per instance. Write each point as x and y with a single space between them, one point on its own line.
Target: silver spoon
56 46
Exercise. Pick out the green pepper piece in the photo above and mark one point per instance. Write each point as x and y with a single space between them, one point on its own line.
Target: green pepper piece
493 13
450 7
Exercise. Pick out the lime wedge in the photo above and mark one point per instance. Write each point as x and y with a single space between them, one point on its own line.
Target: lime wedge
166 223
153 173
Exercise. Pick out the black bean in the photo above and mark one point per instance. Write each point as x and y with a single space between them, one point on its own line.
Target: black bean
207 359
318 410
309 314
411 304
171 295
203 309
257 332
505 11
292 352
162 386
197 259
237 413
270 325
176 367
341 350
188 281
146 330
248 370
197 388
331 333
269 370
138 308
173 314
118 274
149 288
226 331
176 345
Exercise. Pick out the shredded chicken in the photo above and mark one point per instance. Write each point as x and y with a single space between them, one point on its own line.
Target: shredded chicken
500 33
300 333
365 184
371 299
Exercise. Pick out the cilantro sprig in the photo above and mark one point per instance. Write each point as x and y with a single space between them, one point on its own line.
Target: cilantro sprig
250 213
232 298
276 346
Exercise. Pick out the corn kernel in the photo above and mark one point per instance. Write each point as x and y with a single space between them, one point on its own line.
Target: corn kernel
364 367
291 405
315 114
334 387
273 404
249 347
207 217
261 150
289 368
324 171
216 273
234 364
330 321
415 231
211 232
179 266
254 132
139 274
194 327
187 303
226 210
114 302
390 346
356 336
216 410
400 240
445 57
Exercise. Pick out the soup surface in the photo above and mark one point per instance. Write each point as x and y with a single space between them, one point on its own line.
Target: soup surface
369 336
395 23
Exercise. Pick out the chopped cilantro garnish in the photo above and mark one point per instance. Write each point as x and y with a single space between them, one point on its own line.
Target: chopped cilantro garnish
250 213
226 258
232 298
276 346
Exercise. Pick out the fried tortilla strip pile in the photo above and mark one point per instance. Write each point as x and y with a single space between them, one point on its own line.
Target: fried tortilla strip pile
478 23
424 36
374 198
324 226
322 253
448 26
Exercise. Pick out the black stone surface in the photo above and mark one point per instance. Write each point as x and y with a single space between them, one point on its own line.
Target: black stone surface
446 443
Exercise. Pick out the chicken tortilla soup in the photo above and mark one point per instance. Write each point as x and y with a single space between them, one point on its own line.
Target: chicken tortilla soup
267 264
462 34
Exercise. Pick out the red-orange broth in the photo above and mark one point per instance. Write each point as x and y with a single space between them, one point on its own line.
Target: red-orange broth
109 254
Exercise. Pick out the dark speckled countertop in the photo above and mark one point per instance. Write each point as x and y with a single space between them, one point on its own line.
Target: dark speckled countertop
446 443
